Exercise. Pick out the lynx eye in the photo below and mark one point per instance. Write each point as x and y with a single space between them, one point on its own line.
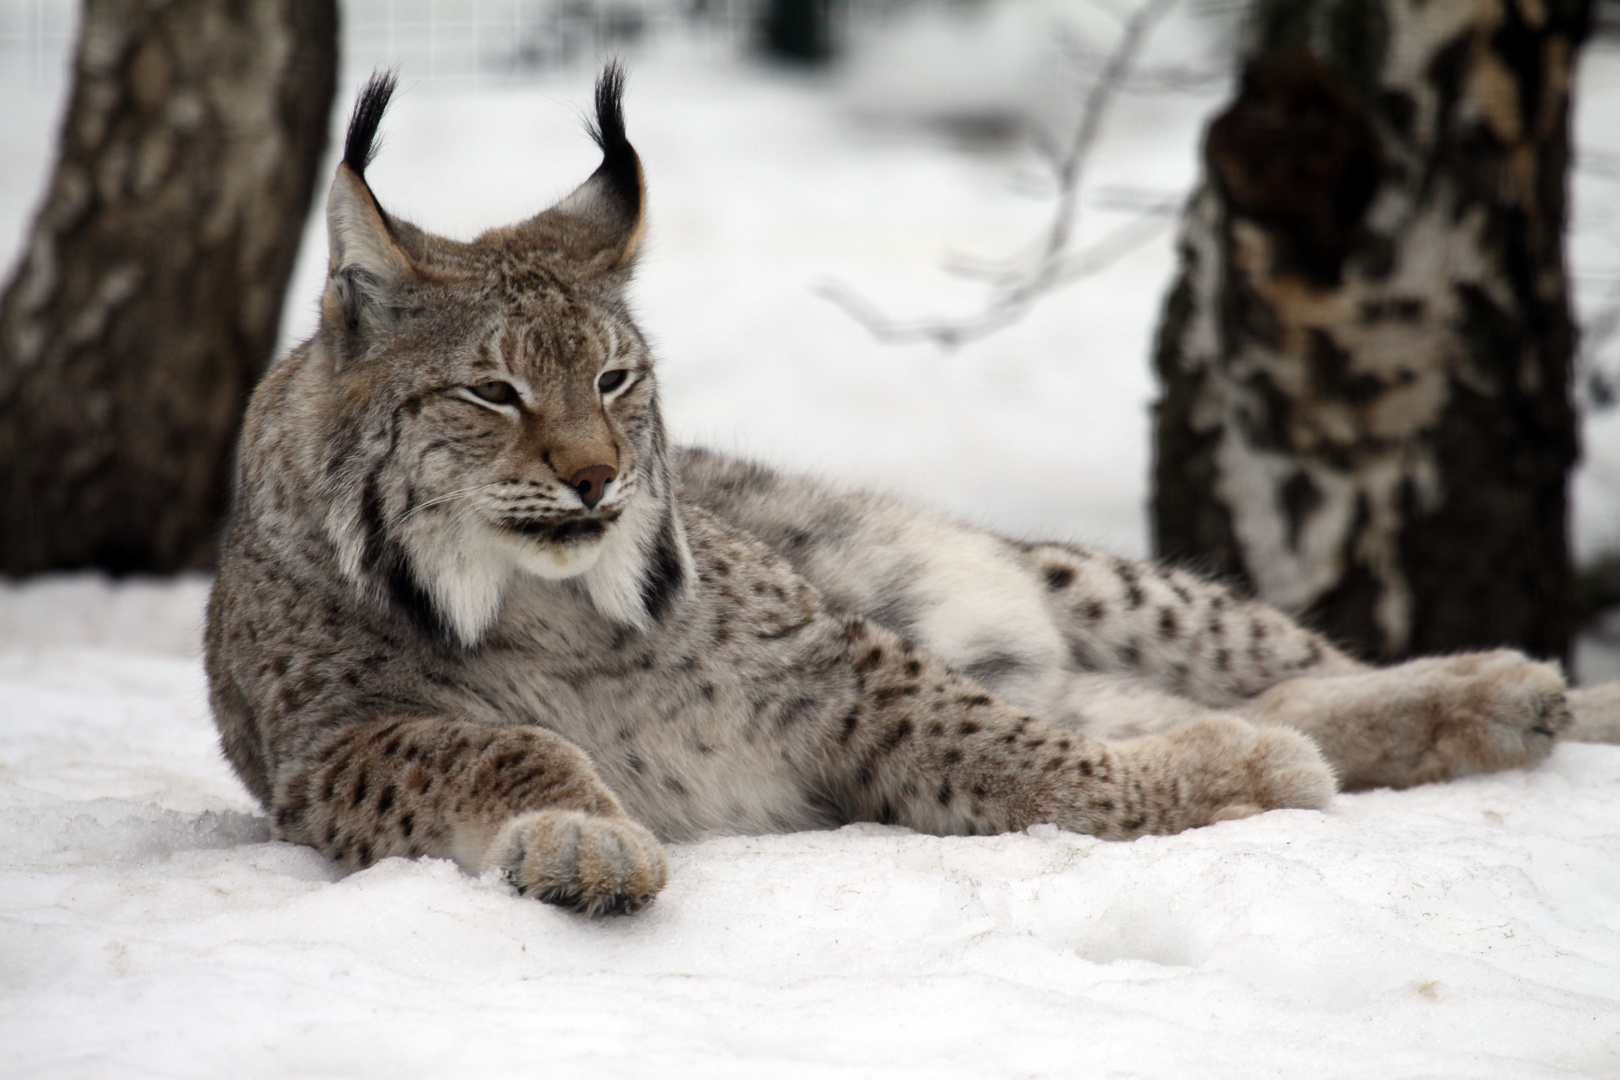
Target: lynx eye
496 392
612 380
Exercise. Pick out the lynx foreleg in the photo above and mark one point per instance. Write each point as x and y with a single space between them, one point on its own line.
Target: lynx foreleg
927 748
519 798
1425 720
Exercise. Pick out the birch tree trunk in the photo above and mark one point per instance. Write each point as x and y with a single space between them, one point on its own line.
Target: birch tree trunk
1365 363
149 293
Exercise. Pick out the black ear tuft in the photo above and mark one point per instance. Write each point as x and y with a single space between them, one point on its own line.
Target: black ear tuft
619 164
361 144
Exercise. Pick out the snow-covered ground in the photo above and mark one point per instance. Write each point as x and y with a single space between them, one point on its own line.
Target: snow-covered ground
148 927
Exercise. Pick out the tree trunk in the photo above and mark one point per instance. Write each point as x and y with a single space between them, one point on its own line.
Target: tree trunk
799 31
1365 363
149 294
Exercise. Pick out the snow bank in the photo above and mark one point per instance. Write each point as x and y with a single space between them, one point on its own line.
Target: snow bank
149 927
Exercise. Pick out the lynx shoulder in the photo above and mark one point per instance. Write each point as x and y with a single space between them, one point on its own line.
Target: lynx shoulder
473 605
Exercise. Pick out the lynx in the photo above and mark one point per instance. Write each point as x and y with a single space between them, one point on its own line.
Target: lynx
473 605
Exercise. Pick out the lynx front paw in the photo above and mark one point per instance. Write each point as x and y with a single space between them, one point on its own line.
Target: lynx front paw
593 865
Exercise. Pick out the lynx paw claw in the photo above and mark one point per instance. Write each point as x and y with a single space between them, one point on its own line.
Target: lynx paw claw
593 865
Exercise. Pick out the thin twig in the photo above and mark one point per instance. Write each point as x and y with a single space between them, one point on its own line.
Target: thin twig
1018 282
1600 386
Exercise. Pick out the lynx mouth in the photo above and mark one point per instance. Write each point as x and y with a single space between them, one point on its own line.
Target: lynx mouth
563 532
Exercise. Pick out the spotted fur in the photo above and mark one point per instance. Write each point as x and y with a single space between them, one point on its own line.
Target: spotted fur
473 606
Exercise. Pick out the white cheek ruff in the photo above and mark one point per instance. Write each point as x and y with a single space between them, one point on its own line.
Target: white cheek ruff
464 571
614 581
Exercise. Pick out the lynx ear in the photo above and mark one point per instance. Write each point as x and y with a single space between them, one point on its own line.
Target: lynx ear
365 265
598 226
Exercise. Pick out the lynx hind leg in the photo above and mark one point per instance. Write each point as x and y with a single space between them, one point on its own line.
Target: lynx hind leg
1596 714
594 865
1426 720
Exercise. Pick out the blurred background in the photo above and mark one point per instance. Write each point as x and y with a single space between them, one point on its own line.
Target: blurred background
820 174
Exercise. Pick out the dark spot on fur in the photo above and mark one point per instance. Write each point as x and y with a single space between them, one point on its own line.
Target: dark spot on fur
1059 578
794 710
676 787
852 720
897 734
870 661
1085 768
944 793
1130 578
407 824
1093 611
385 801
664 575
360 787
1168 625
1130 654
953 757
636 764
968 727
913 667
1080 658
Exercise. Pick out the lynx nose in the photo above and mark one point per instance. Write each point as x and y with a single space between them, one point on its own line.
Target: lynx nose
591 482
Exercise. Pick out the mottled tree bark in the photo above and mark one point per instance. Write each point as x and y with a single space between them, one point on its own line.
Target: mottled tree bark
147 300
1365 363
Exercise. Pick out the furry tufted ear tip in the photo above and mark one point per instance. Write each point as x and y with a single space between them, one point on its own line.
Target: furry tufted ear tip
360 145
620 166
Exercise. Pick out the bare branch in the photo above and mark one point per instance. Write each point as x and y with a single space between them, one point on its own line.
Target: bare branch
1021 279
1599 382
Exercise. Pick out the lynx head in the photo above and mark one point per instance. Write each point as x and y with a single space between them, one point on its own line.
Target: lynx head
492 408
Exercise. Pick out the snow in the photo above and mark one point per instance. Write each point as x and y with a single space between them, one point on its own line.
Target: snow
149 927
